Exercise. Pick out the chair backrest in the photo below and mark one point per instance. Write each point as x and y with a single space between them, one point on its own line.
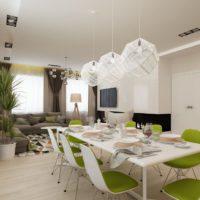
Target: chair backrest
68 151
130 124
191 135
156 128
53 140
75 122
92 168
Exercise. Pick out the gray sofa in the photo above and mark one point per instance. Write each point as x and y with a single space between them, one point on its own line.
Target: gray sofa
32 123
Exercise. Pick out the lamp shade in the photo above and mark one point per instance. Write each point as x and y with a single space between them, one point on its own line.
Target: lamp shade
110 68
89 73
140 57
75 97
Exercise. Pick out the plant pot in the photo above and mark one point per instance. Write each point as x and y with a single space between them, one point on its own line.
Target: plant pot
7 151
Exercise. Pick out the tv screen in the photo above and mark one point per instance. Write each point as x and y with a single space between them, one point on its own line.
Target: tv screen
108 97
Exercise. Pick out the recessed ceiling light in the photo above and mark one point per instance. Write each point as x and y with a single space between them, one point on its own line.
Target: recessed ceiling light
6 58
8 44
92 11
186 33
11 20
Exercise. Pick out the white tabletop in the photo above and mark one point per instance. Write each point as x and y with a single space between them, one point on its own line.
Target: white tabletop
169 151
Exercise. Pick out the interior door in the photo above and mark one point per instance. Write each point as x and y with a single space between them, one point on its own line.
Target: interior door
185 101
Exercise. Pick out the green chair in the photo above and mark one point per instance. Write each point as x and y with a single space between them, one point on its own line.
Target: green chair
76 162
190 135
110 182
156 128
72 139
130 124
75 122
185 189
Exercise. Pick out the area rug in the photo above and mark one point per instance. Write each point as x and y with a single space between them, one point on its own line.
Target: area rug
38 144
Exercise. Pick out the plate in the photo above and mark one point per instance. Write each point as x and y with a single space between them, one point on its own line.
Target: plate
169 135
182 145
129 140
75 126
130 128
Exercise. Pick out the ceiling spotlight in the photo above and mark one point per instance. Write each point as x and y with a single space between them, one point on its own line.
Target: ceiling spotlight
8 45
186 33
11 20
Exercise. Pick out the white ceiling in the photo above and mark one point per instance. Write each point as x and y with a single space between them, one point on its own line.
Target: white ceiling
48 30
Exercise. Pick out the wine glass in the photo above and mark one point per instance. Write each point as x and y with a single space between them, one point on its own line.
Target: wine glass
147 131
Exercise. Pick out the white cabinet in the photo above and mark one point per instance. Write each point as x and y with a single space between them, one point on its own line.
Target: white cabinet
185 101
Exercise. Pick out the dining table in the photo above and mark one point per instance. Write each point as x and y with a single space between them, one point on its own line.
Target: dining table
168 152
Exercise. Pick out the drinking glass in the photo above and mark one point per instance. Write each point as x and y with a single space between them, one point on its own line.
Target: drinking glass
155 137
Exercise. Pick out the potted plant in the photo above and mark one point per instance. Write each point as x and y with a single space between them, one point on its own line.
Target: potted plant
8 101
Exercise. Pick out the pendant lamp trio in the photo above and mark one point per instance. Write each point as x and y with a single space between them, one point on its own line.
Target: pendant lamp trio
139 58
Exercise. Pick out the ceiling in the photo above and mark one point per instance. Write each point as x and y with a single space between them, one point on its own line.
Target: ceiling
49 30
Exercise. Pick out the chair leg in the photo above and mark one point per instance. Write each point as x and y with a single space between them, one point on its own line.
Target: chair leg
166 178
61 165
76 194
70 175
55 164
157 168
132 166
194 173
95 194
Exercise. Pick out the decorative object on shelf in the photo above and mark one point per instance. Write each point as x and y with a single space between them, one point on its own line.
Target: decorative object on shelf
110 64
89 72
75 98
66 73
140 57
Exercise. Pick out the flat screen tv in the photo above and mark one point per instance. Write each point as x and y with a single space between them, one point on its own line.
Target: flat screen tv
108 97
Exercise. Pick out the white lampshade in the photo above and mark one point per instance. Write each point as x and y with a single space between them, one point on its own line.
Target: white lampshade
89 73
110 68
140 57
75 97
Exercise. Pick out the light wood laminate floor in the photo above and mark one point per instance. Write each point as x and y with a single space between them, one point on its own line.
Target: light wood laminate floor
29 178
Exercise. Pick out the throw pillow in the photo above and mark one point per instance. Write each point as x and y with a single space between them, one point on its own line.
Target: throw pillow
21 121
51 119
61 119
34 120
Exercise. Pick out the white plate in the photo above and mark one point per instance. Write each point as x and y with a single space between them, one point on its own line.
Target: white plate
93 131
170 135
75 126
182 145
130 128
129 140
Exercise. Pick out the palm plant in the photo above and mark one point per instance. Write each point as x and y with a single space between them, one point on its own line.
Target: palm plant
8 101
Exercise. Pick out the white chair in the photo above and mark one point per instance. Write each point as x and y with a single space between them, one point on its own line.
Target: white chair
57 150
110 182
76 163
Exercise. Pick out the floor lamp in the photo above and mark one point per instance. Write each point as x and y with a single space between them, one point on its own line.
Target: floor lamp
75 98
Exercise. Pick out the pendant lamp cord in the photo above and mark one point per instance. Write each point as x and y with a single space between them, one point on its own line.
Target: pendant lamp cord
112 24
139 21
93 36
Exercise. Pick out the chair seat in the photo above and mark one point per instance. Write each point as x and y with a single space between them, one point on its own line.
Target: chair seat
80 162
74 149
118 182
185 162
185 189
75 140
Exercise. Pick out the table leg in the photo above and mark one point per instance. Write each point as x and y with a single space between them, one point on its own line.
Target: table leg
144 183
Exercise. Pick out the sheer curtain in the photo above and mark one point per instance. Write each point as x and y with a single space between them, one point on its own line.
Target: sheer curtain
31 89
77 86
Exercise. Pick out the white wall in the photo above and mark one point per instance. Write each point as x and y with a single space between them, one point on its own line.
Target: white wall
124 94
150 94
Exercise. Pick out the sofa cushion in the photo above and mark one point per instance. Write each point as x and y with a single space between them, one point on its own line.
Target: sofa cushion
34 120
51 119
61 119
44 124
26 116
54 113
22 121
41 115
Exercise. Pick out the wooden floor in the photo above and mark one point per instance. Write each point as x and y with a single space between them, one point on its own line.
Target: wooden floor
29 178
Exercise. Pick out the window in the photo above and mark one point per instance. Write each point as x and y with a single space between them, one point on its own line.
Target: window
77 86
31 89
